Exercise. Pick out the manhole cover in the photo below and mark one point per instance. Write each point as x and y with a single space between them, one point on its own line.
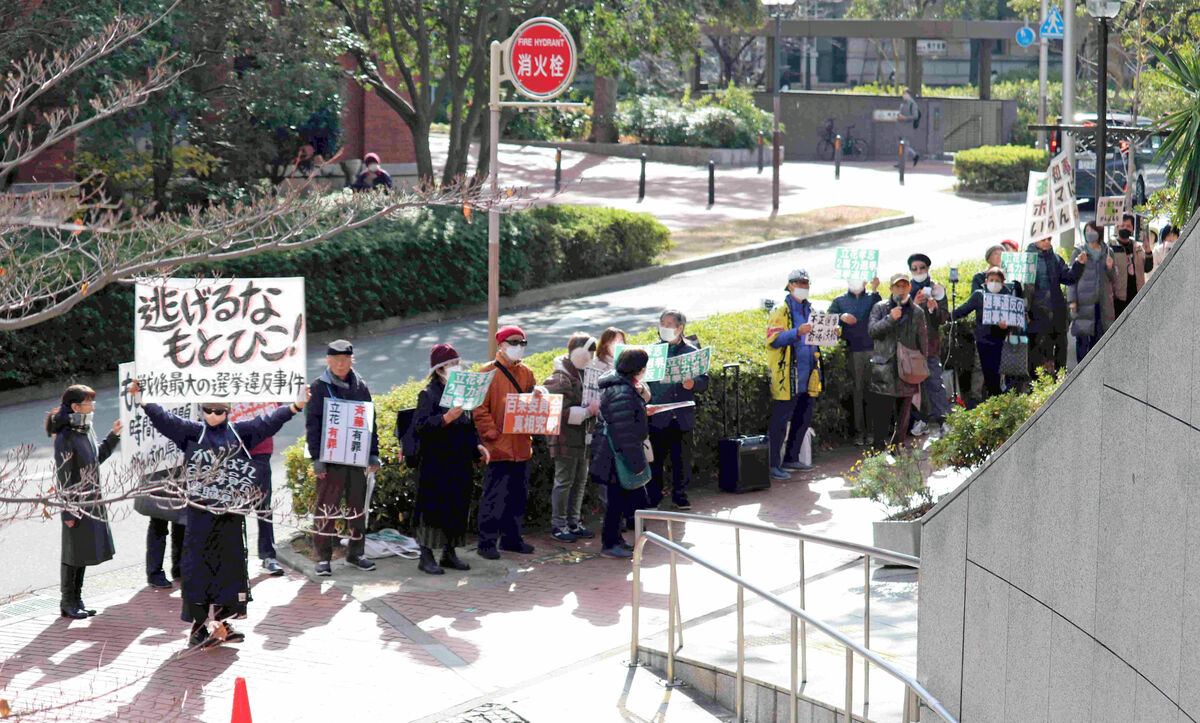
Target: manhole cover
489 713
28 605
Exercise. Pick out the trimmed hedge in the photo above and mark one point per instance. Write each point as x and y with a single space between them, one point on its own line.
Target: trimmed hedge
998 169
726 119
429 259
736 337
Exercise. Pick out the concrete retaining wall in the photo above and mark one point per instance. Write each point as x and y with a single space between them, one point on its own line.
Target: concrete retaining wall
1059 583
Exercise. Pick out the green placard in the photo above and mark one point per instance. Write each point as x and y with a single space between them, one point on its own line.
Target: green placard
688 366
1019 266
856 264
656 366
466 389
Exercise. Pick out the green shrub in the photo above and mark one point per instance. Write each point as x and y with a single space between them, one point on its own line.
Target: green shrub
976 433
736 337
550 124
726 119
426 260
893 479
998 169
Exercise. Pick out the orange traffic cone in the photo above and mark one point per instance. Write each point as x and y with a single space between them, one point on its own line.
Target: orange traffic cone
241 703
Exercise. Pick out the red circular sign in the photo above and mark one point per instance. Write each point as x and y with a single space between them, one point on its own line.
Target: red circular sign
541 58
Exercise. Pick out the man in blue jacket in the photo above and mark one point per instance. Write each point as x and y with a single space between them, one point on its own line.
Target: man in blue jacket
791 412
335 481
671 432
853 309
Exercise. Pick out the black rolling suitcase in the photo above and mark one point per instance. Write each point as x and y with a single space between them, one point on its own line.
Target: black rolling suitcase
745 461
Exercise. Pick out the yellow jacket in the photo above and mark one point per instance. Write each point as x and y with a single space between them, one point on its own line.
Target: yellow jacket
780 358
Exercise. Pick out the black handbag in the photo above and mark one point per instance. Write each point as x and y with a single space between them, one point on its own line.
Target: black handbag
1014 358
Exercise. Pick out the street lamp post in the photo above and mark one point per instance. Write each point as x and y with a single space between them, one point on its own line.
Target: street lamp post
1103 11
776 8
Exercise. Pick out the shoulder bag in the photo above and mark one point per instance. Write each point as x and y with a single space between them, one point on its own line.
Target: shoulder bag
629 479
1014 357
911 365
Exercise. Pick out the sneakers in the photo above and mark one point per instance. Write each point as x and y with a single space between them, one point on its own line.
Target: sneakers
489 553
617 552
860 440
521 548
272 567
159 580
324 569
625 545
581 532
797 466
681 502
920 429
562 534
777 473
361 563
945 428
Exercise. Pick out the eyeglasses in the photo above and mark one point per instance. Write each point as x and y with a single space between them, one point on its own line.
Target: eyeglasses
522 342
211 410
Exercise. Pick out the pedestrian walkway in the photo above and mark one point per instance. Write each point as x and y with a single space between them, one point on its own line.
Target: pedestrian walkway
369 648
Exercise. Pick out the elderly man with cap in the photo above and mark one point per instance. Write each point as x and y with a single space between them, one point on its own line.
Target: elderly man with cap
931 297
792 362
339 381
506 485
895 320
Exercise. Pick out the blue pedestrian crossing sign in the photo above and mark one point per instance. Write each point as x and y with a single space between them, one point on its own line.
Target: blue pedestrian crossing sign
1025 37
1052 26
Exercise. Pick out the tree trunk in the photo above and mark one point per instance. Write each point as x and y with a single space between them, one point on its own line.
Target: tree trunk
604 111
162 165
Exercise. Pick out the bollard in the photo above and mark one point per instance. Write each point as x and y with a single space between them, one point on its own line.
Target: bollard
557 170
760 152
837 157
901 164
642 180
712 183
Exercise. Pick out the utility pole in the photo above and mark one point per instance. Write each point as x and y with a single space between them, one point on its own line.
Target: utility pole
1067 239
1043 66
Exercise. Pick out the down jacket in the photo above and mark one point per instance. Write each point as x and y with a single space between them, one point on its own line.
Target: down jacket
1094 285
623 419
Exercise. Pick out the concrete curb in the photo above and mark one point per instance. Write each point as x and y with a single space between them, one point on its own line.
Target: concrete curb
524 299
1008 197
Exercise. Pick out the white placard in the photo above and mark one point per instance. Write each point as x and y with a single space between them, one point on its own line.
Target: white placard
141 443
199 340
824 329
346 432
591 385
1037 209
1062 193
1109 210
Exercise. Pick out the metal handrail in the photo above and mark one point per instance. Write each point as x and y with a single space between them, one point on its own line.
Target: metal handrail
800 619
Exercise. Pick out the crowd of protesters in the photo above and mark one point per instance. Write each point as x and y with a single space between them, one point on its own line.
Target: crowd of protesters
906 366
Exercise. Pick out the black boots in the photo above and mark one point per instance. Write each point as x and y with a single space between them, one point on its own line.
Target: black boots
427 565
71 579
450 560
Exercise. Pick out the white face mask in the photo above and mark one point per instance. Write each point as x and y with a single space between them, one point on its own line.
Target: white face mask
1168 245
994 286
920 278
444 372
580 358
856 287
799 294
667 333
514 353
373 167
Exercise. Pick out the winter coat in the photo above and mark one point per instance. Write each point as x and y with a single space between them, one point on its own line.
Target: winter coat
1045 301
789 358
855 335
382 178
489 416
1093 286
217 459
934 319
352 389
911 329
445 475
576 422
623 419
684 419
1142 265
983 332
77 462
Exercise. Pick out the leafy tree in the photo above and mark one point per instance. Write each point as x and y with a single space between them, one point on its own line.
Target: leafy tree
1180 69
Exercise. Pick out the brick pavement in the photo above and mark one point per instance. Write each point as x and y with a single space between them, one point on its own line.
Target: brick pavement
312 648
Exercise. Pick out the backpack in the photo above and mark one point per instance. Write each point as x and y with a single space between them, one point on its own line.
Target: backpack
917 120
410 445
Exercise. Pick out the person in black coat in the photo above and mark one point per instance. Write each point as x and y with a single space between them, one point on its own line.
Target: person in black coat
989 338
449 449
622 429
671 432
86 537
1048 313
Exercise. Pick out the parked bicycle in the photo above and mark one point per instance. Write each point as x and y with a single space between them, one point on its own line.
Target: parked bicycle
852 146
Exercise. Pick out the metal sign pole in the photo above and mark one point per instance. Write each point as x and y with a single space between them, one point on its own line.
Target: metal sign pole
493 211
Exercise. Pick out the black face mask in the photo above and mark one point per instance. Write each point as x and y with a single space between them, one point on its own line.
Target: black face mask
1125 234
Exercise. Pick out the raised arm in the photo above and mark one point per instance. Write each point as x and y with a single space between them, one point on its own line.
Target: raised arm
173 428
254 431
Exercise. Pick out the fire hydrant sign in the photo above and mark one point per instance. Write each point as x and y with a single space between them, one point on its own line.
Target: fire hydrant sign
198 340
466 389
346 432
530 414
541 58
687 366
856 264
141 443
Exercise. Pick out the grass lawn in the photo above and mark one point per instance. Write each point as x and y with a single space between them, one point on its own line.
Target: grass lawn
734 234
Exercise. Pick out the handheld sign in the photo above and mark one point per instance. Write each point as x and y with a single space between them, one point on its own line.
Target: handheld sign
541 58
1109 210
1020 267
466 389
1004 307
142 444
527 414
856 264
1062 192
591 385
1037 209
687 366
656 365
824 329
198 340
346 432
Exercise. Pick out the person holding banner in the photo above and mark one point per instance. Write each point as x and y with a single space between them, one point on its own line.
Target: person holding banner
671 431
931 297
86 536
853 309
569 450
339 382
1091 296
989 338
894 321
792 362
506 485
1048 312
221 491
450 449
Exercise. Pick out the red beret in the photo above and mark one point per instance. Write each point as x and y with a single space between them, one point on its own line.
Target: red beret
508 331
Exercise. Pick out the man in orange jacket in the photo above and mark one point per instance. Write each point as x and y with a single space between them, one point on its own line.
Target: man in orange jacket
506 485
